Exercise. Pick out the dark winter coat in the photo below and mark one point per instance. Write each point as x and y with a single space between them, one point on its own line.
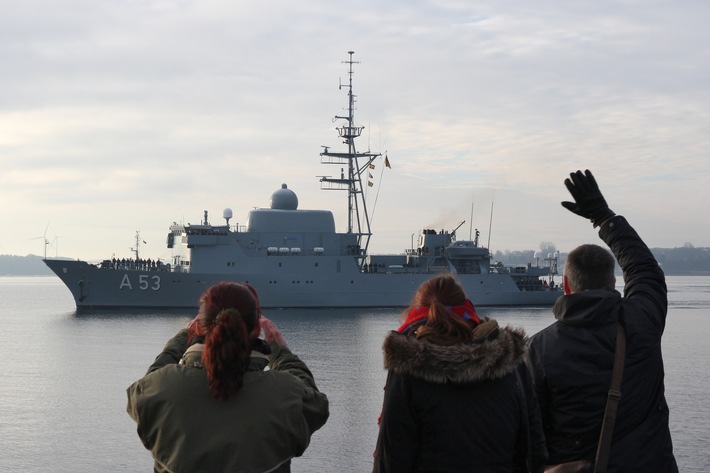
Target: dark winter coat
259 429
458 408
572 360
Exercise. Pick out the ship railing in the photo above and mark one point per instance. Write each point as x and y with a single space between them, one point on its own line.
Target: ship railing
381 268
536 286
350 131
328 184
134 265
329 159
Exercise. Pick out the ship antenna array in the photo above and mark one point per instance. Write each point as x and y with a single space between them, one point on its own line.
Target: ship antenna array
136 250
356 163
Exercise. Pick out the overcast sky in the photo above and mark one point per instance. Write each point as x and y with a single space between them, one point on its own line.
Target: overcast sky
118 116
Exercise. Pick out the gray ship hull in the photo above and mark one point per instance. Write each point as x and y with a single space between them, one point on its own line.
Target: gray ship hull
93 287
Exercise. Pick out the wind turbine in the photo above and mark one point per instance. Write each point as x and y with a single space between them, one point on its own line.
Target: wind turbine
55 243
44 237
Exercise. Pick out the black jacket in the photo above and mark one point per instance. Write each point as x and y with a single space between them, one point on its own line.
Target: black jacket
571 363
458 408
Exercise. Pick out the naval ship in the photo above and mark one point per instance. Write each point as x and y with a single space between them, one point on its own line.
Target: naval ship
296 259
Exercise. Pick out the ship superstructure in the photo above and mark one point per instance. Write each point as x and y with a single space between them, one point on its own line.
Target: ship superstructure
296 258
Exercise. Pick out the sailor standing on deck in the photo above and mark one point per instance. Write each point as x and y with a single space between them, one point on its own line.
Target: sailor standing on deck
572 359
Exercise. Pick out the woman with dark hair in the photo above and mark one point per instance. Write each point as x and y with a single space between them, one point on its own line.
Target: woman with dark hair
206 403
458 396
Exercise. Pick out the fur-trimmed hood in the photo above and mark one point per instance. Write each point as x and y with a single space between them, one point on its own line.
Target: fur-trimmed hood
494 353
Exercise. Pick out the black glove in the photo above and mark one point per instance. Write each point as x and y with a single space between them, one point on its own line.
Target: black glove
588 200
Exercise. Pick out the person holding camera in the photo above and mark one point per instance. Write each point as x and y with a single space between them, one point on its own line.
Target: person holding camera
206 403
571 360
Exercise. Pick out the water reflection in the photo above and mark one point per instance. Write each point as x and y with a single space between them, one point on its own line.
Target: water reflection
69 370
103 314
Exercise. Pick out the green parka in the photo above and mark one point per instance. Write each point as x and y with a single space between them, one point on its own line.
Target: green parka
268 422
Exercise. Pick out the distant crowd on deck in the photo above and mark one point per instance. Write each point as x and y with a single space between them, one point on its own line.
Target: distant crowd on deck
132 264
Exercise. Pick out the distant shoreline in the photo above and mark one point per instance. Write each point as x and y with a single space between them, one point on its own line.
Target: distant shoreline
684 261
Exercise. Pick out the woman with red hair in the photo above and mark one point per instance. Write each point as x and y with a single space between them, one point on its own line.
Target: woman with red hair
206 403
458 396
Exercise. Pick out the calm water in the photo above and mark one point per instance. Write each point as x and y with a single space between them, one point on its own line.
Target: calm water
62 394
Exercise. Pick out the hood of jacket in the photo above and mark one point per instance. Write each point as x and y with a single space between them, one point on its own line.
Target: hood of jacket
494 353
588 308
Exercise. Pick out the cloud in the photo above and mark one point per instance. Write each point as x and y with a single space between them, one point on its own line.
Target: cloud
123 115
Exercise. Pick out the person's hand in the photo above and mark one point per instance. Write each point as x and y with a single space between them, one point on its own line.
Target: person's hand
194 328
588 199
192 323
271 333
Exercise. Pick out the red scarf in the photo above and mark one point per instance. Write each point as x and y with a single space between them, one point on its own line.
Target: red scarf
421 312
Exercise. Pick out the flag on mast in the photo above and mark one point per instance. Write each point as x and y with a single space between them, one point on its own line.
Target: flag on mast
387 162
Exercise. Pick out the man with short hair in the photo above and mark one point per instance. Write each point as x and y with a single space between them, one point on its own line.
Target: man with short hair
572 359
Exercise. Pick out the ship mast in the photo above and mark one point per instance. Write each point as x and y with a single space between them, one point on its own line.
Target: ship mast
356 163
136 250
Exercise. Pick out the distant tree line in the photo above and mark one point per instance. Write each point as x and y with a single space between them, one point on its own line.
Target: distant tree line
683 261
29 265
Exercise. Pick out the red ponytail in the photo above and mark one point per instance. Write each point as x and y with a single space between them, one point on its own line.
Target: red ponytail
229 316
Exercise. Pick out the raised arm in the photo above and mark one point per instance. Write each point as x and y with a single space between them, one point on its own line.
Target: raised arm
172 352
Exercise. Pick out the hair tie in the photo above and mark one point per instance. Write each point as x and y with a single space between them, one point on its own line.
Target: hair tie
225 313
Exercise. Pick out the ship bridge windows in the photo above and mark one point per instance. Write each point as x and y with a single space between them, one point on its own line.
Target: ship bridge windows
467 266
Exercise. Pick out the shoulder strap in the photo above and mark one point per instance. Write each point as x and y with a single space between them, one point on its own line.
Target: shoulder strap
612 403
